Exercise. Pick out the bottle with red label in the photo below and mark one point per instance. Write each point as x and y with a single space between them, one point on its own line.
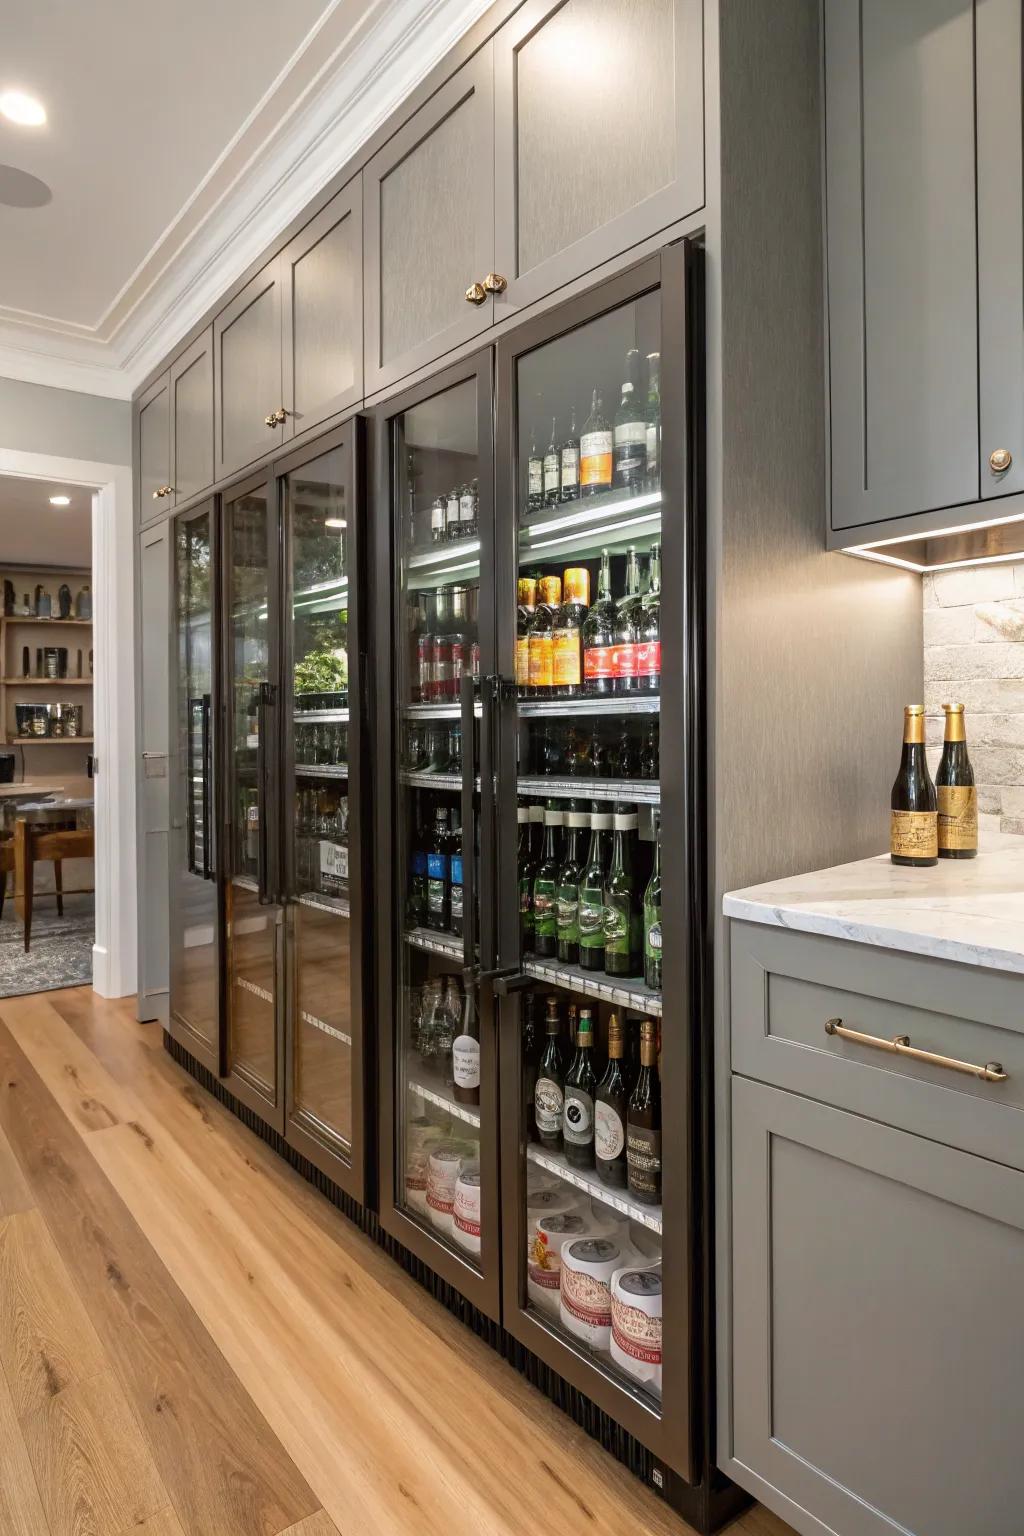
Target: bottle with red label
648 651
540 641
567 633
599 636
627 630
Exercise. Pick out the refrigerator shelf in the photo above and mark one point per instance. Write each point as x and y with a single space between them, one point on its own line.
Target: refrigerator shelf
432 1088
624 994
437 711
322 770
636 791
423 779
628 704
613 520
443 554
434 943
320 716
587 1180
324 1028
321 901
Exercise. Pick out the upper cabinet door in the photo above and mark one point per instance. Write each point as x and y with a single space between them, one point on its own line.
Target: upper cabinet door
323 313
154 450
248 404
429 208
599 135
191 400
902 268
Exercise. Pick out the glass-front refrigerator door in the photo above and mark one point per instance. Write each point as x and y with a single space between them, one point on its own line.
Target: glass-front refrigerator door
596 613
194 950
253 913
326 867
439 1166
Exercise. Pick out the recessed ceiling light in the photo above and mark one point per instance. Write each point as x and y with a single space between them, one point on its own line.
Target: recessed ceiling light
21 108
60 501
335 522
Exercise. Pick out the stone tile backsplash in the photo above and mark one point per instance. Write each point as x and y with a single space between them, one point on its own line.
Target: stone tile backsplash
974 653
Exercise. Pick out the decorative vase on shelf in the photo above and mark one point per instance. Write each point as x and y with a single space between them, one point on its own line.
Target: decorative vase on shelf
83 604
44 606
64 600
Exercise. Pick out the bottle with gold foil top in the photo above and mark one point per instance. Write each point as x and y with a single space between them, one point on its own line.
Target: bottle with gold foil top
567 633
913 828
540 645
526 592
957 796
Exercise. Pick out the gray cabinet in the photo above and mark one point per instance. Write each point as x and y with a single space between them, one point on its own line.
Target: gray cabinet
322 313
248 402
877 1329
191 419
153 450
593 155
429 216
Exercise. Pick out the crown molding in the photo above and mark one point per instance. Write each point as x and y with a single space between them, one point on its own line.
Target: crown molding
248 207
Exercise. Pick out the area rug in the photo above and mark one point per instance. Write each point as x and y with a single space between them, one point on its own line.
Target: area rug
61 952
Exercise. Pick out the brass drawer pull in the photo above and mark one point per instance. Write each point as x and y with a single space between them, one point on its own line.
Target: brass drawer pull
991 1072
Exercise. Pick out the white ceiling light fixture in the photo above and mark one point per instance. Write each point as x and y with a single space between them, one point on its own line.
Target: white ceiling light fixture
335 522
60 501
21 108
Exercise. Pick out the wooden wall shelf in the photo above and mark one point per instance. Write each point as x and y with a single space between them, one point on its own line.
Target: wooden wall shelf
14 618
48 741
46 682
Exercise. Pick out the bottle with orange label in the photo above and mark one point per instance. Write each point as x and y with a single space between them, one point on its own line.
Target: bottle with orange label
567 633
596 451
526 592
540 646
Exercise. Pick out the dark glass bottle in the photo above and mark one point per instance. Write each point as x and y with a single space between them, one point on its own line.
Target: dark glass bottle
596 451
549 1090
466 1052
591 904
527 869
531 1049
643 1124
913 828
439 874
956 795
648 649
569 467
602 756
545 885
623 915
534 478
611 1110
652 916
627 630
416 907
567 895
580 1084
552 469
649 755
625 758
455 909
599 636
630 461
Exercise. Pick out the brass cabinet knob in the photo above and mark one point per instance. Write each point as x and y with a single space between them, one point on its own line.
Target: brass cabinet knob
999 460
162 490
495 283
476 293
271 420
280 416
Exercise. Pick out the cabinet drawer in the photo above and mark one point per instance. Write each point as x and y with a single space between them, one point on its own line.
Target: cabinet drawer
786 986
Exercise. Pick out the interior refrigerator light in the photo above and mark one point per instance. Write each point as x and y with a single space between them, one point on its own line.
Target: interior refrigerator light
596 514
651 521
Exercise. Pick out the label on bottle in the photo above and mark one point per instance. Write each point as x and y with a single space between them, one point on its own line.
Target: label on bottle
625 821
958 816
333 860
437 866
536 478
547 1106
648 658
643 1160
550 474
544 920
437 517
590 917
652 448
598 661
541 661
466 1061
630 451
466 507
452 511
914 834
609 1132
624 660
567 913
616 925
570 467
578 1117
652 939
456 893
419 863
596 458
565 658
522 661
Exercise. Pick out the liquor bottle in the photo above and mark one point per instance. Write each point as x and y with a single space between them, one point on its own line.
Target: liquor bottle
625 762
569 463
652 916
567 893
455 911
653 415
623 916
643 1124
437 520
548 1093
545 885
539 638
466 1053
416 906
527 868
577 753
649 755
536 830
627 629
580 1083
630 465
595 451
449 1023
611 1109
601 754
648 650
913 826
591 907
551 470
439 874
451 515
567 633
551 754
599 636
467 510
955 791
529 1061
534 478
526 608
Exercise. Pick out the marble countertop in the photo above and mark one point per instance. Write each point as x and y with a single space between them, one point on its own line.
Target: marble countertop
970 911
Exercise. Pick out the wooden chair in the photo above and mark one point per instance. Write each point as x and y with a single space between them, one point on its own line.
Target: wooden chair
45 844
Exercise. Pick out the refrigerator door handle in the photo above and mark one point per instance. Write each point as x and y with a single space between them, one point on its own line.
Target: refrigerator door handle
264 700
470 964
207 781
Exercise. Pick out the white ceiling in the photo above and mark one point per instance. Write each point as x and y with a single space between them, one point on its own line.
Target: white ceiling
180 140
34 533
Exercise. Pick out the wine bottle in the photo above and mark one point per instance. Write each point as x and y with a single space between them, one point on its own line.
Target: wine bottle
527 869
525 609
648 649
567 633
529 1061
956 795
545 884
591 904
439 874
540 644
652 916
599 636
595 451
649 754
551 470
623 918
567 897
455 907
580 1083
548 1093
611 1107
625 660
534 478
466 1052
630 451
569 475
913 827
643 1124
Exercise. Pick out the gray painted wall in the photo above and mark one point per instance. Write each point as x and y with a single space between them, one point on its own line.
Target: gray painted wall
37 419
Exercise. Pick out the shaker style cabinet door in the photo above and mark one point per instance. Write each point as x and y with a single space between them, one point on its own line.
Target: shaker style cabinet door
191 406
877 1327
599 135
902 263
154 451
248 405
322 306
429 212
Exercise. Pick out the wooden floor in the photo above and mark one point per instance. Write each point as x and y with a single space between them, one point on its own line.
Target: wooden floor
194 1343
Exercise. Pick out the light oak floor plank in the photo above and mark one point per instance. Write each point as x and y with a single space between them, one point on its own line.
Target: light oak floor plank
89 1097
15 1195
21 1509
317 1525
164 1523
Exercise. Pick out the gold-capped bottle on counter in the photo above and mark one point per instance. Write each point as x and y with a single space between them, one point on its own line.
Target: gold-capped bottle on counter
955 791
913 828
